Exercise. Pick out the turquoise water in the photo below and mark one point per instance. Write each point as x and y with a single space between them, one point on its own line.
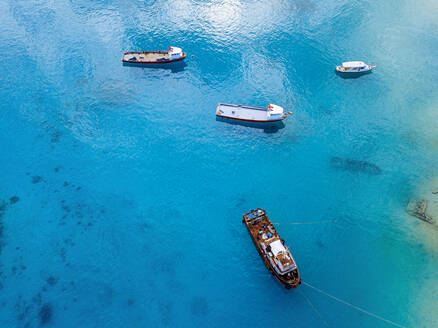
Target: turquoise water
130 193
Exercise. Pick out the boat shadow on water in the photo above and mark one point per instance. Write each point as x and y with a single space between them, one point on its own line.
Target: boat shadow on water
266 127
352 75
173 67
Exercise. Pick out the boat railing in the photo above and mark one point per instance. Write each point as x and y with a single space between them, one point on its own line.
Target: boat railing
243 106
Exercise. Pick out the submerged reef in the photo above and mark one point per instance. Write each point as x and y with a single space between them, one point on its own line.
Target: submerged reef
353 165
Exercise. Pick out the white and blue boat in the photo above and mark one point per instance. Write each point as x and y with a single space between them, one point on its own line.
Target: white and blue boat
354 67
256 114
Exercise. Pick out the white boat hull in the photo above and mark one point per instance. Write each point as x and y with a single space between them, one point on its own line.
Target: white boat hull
247 113
342 69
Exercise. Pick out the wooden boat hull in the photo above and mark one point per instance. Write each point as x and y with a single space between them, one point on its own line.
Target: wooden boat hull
265 259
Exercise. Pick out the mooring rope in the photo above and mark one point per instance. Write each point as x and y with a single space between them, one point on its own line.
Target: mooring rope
354 306
309 222
313 307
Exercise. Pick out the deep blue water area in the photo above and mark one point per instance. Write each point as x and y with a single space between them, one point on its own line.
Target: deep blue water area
121 196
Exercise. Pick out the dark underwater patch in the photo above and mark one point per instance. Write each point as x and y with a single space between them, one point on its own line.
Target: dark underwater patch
62 253
166 308
36 179
52 281
3 206
37 299
14 199
240 201
320 244
45 314
353 165
55 136
65 208
199 306
164 266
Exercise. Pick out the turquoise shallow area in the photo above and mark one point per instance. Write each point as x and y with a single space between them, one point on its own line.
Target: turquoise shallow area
130 193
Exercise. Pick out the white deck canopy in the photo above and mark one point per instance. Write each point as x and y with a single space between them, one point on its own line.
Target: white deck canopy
277 247
354 64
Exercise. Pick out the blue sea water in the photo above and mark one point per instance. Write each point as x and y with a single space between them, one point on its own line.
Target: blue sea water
130 193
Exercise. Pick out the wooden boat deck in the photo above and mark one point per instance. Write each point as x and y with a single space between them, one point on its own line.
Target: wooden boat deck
276 256
146 56
150 57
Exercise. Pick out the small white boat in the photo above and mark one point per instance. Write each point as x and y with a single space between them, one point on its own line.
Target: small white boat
354 67
272 113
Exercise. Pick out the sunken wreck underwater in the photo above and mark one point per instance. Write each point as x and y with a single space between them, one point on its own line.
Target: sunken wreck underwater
353 165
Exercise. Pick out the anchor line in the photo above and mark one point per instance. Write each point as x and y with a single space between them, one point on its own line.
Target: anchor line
310 222
354 306
313 307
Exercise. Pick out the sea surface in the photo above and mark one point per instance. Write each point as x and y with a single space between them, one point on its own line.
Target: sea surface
121 196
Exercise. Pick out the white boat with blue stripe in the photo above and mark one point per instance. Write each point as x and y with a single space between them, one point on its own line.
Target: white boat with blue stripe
270 114
354 67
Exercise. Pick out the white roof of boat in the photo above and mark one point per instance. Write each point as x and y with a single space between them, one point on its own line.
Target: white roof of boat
275 109
277 247
174 50
354 64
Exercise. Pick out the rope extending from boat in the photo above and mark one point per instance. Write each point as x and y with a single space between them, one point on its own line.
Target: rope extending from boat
354 306
313 307
309 222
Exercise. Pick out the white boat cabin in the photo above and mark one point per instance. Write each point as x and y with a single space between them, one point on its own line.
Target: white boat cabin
354 67
175 53
279 256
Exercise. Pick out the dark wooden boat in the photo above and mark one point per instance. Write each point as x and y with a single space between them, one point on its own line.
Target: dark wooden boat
174 54
276 256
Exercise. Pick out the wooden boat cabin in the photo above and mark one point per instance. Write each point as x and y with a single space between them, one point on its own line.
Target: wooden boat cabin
173 54
271 248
